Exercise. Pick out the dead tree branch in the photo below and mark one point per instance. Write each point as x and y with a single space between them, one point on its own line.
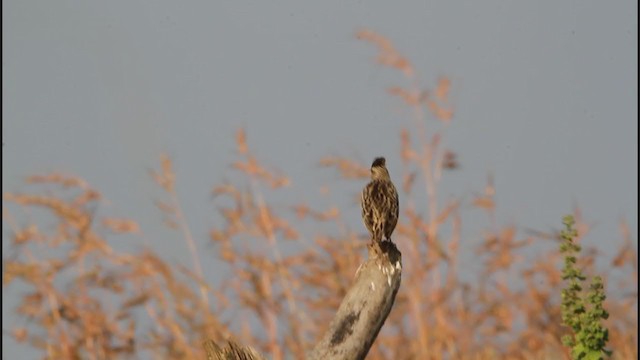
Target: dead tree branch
359 318
365 307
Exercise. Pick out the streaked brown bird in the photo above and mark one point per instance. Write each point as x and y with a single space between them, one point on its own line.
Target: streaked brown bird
380 203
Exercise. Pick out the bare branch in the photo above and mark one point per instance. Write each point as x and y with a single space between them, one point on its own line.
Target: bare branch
365 306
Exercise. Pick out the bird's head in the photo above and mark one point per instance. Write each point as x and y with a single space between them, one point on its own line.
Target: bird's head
379 169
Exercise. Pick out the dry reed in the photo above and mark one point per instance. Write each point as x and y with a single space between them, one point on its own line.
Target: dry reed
87 300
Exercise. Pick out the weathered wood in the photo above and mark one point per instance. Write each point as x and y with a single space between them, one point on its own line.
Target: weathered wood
359 318
365 307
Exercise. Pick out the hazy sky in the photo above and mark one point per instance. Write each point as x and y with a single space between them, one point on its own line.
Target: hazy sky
545 95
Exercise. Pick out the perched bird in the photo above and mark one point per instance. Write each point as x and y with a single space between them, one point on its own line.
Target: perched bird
380 203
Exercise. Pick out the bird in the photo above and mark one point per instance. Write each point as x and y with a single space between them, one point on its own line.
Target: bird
380 203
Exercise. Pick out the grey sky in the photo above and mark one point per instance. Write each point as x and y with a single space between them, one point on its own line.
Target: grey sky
545 95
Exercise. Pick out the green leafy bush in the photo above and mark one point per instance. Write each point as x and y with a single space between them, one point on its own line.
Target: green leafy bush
582 312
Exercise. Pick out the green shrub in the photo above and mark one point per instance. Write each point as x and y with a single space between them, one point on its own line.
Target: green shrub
582 312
